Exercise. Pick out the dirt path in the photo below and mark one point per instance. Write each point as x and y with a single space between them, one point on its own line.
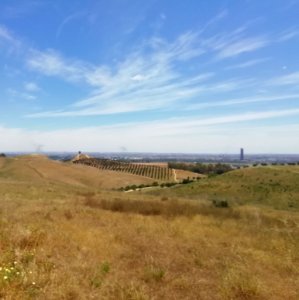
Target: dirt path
35 170
141 189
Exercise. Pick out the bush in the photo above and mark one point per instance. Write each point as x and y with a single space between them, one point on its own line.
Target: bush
220 203
187 180
170 184
165 208
201 168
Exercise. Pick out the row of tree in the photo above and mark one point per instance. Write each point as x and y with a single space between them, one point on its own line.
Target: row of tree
208 169
152 171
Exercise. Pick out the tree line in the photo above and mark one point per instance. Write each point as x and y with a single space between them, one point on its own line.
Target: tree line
208 169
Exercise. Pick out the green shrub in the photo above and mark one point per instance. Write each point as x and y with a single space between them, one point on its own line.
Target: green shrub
220 203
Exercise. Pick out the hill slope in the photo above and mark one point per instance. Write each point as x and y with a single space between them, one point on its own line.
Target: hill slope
62 237
275 186
43 171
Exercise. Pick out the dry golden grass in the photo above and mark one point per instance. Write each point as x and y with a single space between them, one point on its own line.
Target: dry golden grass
42 170
69 248
59 241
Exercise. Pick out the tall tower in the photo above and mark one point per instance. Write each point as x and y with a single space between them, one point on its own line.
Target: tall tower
241 154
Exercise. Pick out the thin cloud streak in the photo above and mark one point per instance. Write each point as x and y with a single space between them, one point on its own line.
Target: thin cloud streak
67 20
288 35
183 123
290 79
243 101
247 64
217 132
243 46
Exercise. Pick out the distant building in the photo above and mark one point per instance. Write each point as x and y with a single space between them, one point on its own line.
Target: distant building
241 154
79 156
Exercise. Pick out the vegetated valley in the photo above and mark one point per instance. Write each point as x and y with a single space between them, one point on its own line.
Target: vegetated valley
71 231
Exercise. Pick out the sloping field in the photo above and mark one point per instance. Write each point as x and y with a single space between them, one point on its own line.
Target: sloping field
153 171
62 237
274 186
40 170
74 245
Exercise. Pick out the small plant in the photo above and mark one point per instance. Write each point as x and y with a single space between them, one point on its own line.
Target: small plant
10 273
98 277
105 268
154 273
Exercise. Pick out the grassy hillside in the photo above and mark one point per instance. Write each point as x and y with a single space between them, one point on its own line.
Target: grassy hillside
63 237
41 170
276 186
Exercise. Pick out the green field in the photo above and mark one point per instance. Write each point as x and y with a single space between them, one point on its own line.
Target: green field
275 186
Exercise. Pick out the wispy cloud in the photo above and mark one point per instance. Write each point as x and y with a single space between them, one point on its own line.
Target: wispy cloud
288 34
31 87
247 64
236 118
166 135
242 101
147 79
20 94
242 46
53 64
290 79
232 44
151 78
6 35
68 20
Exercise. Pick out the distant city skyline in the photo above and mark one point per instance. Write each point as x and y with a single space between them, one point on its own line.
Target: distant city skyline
149 76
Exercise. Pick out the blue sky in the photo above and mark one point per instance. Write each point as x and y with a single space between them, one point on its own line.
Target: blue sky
152 76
